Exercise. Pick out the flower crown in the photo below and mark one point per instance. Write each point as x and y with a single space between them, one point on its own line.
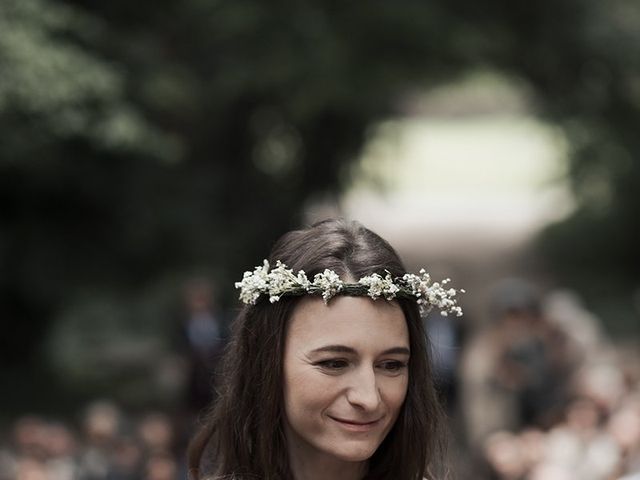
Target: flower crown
281 281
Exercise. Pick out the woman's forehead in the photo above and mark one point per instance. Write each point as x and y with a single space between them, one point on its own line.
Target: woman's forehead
350 321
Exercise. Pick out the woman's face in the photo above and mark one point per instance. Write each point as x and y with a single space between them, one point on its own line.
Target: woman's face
345 376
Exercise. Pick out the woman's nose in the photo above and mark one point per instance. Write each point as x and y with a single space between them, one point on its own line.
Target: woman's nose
363 391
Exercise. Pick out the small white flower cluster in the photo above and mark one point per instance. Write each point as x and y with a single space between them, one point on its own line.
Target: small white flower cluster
281 280
328 282
274 283
435 294
378 286
253 284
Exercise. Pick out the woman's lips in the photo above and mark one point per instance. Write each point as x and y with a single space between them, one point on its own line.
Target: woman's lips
354 425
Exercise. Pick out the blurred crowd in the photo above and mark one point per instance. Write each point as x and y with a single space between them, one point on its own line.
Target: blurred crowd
545 396
537 392
107 446
109 442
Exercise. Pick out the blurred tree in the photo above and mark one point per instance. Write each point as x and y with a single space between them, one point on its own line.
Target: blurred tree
583 60
142 140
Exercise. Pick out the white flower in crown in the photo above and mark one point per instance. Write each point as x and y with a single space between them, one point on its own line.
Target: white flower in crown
432 295
379 286
444 299
417 284
282 280
254 284
328 282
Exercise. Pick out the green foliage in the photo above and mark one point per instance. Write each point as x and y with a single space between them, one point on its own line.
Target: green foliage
53 88
142 141
596 99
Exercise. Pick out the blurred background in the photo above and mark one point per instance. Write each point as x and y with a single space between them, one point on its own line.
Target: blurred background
150 152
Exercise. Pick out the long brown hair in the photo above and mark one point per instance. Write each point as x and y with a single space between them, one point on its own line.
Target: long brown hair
243 431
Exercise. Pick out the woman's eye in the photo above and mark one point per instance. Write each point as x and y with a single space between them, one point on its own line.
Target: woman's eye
393 366
336 364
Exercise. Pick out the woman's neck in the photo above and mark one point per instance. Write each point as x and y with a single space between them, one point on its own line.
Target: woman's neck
323 468
310 463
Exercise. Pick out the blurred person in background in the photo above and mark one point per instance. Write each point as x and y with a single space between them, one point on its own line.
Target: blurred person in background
28 468
161 466
29 433
515 370
126 460
156 432
26 459
624 427
446 337
40 449
61 450
203 334
102 425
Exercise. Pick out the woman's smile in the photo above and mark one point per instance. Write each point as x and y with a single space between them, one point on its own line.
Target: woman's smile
356 426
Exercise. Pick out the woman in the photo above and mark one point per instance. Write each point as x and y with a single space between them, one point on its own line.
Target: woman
319 380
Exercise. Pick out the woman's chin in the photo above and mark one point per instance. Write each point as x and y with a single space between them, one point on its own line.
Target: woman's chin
355 453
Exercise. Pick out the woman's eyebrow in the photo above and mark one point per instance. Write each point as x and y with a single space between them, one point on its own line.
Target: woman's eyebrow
345 349
397 350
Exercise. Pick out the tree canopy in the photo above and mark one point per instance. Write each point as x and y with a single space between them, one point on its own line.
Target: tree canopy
144 140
